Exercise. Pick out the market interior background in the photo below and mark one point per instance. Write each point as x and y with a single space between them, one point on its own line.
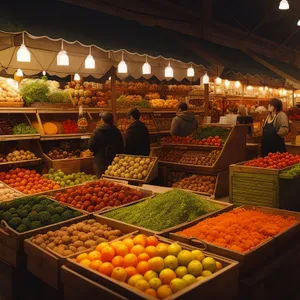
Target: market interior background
64 63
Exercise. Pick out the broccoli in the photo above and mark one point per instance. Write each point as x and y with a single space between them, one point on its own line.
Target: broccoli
45 202
15 215
35 224
59 210
38 208
15 222
68 214
22 213
22 228
44 217
12 210
27 207
1 214
33 216
26 222
18 202
51 209
7 216
76 214
56 219
55 204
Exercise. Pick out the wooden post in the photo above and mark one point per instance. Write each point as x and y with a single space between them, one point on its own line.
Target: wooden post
206 100
113 100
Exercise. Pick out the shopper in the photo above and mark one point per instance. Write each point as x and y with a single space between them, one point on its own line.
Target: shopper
137 140
276 127
105 142
243 118
185 121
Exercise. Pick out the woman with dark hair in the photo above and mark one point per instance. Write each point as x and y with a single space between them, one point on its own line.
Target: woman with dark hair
276 127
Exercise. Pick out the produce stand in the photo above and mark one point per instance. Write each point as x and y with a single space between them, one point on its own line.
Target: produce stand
46 264
256 256
215 287
261 186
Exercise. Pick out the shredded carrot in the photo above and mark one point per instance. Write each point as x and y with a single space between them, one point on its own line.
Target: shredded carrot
239 230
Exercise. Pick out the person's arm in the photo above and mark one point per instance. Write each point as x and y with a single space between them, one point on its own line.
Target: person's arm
94 140
129 141
175 126
283 122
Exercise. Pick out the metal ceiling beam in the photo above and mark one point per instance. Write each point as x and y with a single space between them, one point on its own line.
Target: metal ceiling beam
287 39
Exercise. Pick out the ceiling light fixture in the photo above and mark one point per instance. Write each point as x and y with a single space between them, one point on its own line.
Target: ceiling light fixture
19 73
169 72
146 68
76 77
122 66
298 23
205 79
227 83
237 84
190 71
249 88
89 62
23 54
62 56
284 5
218 81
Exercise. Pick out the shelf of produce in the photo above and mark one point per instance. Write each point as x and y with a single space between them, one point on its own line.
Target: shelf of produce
21 162
12 242
257 255
70 136
20 137
46 264
215 286
15 110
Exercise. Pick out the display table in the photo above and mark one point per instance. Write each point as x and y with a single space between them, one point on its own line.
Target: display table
292 148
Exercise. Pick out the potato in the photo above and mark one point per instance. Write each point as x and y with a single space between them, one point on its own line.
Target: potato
90 244
73 249
39 241
101 240
112 237
62 233
80 226
78 244
90 235
66 240
81 249
86 228
91 221
76 232
67 252
43 246
84 237
64 228
51 246
60 250
99 232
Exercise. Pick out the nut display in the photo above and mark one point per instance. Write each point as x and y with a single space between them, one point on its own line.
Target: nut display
173 155
7 194
63 154
210 159
17 155
130 167
76 237
8 94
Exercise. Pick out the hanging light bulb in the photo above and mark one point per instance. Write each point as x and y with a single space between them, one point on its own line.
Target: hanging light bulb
261 88
218 81
23 54
146 68
122 66
270 90
190 71
249 88
205 79
284 93
298 23
62 56
76 77
44 73
227 83
19 73
237 84
284 5
89 62
169 72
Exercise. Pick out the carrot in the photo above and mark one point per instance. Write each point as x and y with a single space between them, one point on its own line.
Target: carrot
239 230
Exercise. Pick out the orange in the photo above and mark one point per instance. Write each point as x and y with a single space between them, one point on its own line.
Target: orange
81 257
142 267
137 250
117 261
130 260
156 264
86 263
151 241
164 291
122 249
101 246
144 257
167 275
95 264
115 244
107 254
151 292
129 243
151 251
162 250
142 285
106 268
94 255
119 274
140 239
130 271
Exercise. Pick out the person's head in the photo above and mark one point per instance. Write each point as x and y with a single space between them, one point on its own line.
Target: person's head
182 106
242 110
275 105
107 118
133 114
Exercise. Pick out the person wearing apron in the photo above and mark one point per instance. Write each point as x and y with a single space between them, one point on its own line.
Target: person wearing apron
275 129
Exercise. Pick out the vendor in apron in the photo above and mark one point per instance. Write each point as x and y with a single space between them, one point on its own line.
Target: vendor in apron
276 127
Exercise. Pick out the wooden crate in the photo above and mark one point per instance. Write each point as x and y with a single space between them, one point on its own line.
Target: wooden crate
224 207
12 242
46 264
254 257
214 287
151 175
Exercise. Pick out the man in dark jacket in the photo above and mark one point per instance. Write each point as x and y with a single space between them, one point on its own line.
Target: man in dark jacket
105 142
137 140
185 121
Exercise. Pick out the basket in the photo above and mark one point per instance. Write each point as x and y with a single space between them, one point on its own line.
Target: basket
68 166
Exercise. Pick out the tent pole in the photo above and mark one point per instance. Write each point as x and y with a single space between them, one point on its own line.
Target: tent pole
206 100
113 101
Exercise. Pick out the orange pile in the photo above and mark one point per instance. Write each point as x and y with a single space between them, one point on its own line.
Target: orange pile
239 230
28 181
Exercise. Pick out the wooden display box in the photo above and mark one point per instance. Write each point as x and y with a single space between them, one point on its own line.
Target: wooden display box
151 175
12 242
260 186
214 287
224 207
46 264
254 257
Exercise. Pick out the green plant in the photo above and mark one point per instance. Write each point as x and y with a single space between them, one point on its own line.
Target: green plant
34 91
